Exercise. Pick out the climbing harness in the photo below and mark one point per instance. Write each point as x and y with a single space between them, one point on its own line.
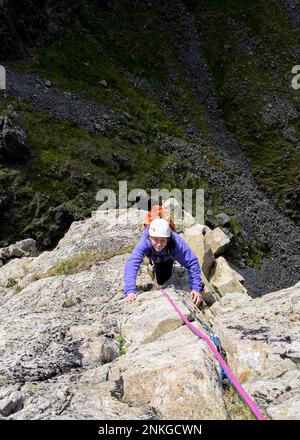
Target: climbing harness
216 348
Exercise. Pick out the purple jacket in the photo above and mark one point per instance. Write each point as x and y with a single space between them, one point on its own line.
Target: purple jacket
181 252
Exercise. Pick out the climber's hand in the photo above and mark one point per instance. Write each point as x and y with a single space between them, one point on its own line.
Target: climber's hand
196 297
131 296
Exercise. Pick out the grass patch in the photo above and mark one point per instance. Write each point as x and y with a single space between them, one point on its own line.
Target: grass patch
11 282
251 253
254 256
236 408
121 343
84 260
235 227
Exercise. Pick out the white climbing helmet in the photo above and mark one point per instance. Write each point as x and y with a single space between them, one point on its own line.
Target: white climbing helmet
159 227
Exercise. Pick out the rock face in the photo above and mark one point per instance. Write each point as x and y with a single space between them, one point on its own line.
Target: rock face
72 347
187 391
262 341
13 142
58 341
27 23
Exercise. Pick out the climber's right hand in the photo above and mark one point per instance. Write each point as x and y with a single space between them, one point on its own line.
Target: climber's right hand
131 296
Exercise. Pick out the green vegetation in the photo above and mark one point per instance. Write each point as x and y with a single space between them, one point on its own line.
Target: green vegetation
254 258
236 408
99 47
235 227
121 343
68 167
11 282
250 53
249 251
81 261
65 153
248 48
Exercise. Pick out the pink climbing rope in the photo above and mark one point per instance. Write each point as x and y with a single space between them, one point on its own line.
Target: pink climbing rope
223 364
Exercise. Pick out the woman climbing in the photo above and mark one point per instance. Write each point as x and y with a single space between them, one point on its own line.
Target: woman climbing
162 246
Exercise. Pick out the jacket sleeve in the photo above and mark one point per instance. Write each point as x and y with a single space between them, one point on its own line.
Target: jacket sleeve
186 257
132 265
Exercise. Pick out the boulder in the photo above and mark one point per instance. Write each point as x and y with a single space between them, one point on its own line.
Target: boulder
188 220
15 269
13 141
225 280
194 238
23 248
217 241
11 404
202 229
223 219
98 351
